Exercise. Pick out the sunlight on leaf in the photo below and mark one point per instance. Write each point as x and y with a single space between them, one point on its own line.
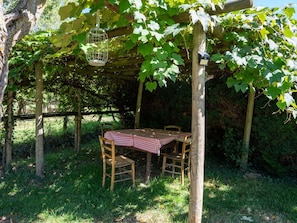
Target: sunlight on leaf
153 25
262 16
272 45
157 35
139 17
289 11
137 3
288 99
173 29
264 32
288 32
202 17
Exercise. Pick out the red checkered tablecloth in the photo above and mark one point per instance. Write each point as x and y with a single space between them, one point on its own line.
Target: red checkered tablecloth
147 140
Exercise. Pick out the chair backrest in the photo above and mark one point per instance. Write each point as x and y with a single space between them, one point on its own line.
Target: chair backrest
107 148
172 127
186 146
106 126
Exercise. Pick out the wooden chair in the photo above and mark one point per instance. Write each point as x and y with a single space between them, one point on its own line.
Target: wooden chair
121 168
106 126
178 162
174 145
172 127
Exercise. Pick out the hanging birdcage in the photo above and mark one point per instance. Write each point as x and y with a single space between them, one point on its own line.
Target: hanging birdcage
97 42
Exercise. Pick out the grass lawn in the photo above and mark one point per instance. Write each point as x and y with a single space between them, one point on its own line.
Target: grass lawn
71 192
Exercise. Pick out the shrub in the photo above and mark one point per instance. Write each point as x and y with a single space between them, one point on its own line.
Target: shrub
275 143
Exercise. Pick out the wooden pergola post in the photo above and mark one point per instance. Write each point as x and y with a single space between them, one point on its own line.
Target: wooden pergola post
39 150
198 126
198 114
138 105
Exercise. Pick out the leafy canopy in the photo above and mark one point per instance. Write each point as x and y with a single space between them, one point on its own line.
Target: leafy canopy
155 34
263 53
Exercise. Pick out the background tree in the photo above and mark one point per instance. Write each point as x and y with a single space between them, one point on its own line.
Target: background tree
14 25
262 58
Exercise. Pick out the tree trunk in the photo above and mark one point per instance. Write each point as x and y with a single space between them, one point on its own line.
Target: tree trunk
39 150
77 133
247 130
9 130
3 58
65 123
138 105
78 118
198 127
13 27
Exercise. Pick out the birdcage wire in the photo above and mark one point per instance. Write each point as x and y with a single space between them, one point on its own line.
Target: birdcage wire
97 41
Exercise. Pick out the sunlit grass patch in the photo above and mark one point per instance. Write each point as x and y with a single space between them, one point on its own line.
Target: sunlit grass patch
71 192
51 216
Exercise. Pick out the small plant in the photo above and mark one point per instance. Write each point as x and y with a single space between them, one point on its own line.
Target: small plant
231 146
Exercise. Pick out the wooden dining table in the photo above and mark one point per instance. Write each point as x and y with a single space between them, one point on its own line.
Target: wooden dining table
147 140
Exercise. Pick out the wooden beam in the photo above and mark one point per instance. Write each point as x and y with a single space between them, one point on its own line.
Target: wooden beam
228 7
62 114
233 6
119 31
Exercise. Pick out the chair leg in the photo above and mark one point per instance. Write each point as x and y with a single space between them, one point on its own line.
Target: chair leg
104 175
163 165
133 174
159 158
189 168
182 173
112 179
173 167
189 174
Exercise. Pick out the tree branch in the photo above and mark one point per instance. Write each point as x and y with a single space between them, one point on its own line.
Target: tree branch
22 19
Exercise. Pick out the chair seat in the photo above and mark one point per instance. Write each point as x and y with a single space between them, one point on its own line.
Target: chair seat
121 161
174 156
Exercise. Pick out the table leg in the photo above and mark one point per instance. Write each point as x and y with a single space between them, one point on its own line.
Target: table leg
148 166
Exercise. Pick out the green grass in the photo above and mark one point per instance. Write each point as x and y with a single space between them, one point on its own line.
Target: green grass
71 192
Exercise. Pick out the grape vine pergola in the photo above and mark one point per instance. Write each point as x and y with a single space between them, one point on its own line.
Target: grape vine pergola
198 101
198 104
198 96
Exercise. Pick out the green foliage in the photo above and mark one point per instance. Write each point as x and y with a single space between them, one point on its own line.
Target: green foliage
263 53
26 53
155 35
275 142
231 146
272 143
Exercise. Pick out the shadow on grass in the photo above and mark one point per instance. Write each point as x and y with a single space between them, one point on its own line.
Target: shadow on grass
230 196
71 192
